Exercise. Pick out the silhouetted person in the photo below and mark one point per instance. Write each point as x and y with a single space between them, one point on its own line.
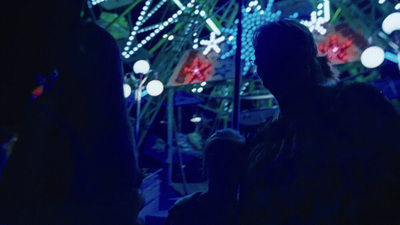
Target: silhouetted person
74 162
331 155
224 163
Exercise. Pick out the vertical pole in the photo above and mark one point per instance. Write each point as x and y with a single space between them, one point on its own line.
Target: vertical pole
238 71
139 101
181 167
170 121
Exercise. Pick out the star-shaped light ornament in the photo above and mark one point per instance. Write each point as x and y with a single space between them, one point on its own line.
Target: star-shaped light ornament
212 44
200 70
338 49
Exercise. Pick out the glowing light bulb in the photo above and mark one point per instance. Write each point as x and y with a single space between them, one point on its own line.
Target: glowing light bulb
127 90
372 57
141 67
391 23
155 88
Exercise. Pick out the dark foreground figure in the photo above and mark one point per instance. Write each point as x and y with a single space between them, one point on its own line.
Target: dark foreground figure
74 161
331 156
224 164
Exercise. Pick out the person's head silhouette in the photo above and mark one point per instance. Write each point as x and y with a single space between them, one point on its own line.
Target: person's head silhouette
225 157
286 58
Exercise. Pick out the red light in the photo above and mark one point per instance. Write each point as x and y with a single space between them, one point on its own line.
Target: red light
338 49
37 91
200 70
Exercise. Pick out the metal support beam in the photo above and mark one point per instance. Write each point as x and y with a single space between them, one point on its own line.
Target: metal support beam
238 72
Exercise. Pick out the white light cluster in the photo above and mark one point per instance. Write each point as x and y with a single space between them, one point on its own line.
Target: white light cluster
149 28
190 25
195 43
153 10
135 29
198 90
212 44
95 2
319 17
243 88
195 34
179 4
141 19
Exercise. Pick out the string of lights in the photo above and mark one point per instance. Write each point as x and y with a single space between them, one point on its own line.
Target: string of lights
127 52
253 16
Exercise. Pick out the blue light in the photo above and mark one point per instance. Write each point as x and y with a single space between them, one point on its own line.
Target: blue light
250 22
144 93
391 57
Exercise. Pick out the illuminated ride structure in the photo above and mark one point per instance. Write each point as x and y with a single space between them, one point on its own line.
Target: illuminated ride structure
192 44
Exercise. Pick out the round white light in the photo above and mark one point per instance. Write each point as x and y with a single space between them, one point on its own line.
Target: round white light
155 88
127 90
372 57
141 66
195 119
391 23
